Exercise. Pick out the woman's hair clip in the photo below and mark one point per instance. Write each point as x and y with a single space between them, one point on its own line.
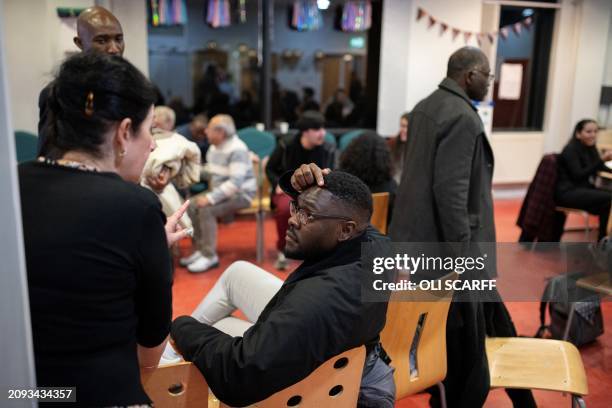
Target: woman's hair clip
89 104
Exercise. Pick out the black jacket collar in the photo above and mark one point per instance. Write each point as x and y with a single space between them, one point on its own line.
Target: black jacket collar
451 86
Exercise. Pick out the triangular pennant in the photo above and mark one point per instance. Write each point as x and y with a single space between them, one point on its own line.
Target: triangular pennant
443 28
455 32
527 22
491 37
516 27
479 38
432 21
421 13
466 36
503 33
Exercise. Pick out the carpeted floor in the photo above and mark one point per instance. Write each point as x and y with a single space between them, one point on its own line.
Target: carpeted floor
237 242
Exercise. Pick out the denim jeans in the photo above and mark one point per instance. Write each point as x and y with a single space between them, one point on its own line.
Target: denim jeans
377 385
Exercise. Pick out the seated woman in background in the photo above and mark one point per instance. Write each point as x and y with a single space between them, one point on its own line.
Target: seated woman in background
579 163
397 145
99 272
368 157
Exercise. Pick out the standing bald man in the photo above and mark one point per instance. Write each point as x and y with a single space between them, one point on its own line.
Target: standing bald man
97 30
445 196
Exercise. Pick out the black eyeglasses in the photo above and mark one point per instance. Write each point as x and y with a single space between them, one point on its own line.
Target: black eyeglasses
304 217
490 77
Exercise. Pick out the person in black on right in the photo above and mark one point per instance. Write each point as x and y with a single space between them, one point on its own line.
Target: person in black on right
579 163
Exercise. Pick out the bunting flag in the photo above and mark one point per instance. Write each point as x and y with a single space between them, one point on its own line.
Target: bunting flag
443 28
168 12
306 15
503 33
218 13
479 38
356 15
242 11
420 13
456 32
432 21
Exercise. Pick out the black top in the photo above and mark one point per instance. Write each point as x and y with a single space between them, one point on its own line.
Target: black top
318 313
289 154
99 278
577 164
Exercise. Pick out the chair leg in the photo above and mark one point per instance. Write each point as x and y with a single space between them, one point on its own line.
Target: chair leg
570 317
577 401
260 236
587 228
442 394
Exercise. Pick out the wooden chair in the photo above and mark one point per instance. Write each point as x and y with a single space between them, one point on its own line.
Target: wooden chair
335 384
178 385
582 213
416 320
380 214
541 364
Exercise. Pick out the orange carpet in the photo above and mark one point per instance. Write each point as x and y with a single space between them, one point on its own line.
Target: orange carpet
237 242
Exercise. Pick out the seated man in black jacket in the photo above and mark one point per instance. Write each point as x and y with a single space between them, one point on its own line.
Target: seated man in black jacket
315 314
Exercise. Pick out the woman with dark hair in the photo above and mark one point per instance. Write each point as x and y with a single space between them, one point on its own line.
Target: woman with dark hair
99 272
579 163
368 157
397 145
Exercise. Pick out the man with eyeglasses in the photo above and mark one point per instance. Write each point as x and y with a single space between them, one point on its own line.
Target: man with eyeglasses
295 326
445 196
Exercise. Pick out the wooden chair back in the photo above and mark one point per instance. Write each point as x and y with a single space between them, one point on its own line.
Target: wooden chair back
417 320
178 385
542 364
380 213
335 383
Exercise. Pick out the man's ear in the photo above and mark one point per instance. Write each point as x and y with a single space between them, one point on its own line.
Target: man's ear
78 42
347 230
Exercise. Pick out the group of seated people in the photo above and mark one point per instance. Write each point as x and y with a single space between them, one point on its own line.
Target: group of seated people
102 310
99 270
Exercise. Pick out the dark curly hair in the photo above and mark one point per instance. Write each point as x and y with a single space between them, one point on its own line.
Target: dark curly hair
351 191
368 158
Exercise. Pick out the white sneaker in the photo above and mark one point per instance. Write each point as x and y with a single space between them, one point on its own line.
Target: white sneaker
170 356
189 259
203 263
281 262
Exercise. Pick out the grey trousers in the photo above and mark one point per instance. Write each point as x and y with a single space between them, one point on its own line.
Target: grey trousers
205 221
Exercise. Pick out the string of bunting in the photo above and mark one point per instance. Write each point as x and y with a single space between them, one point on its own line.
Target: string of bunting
305 15
168 12
503 32
217 14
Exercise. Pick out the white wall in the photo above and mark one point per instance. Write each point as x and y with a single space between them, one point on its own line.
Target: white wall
16 358
413 61
608 75
590 58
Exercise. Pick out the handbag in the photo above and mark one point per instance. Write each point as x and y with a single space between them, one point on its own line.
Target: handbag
559 294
